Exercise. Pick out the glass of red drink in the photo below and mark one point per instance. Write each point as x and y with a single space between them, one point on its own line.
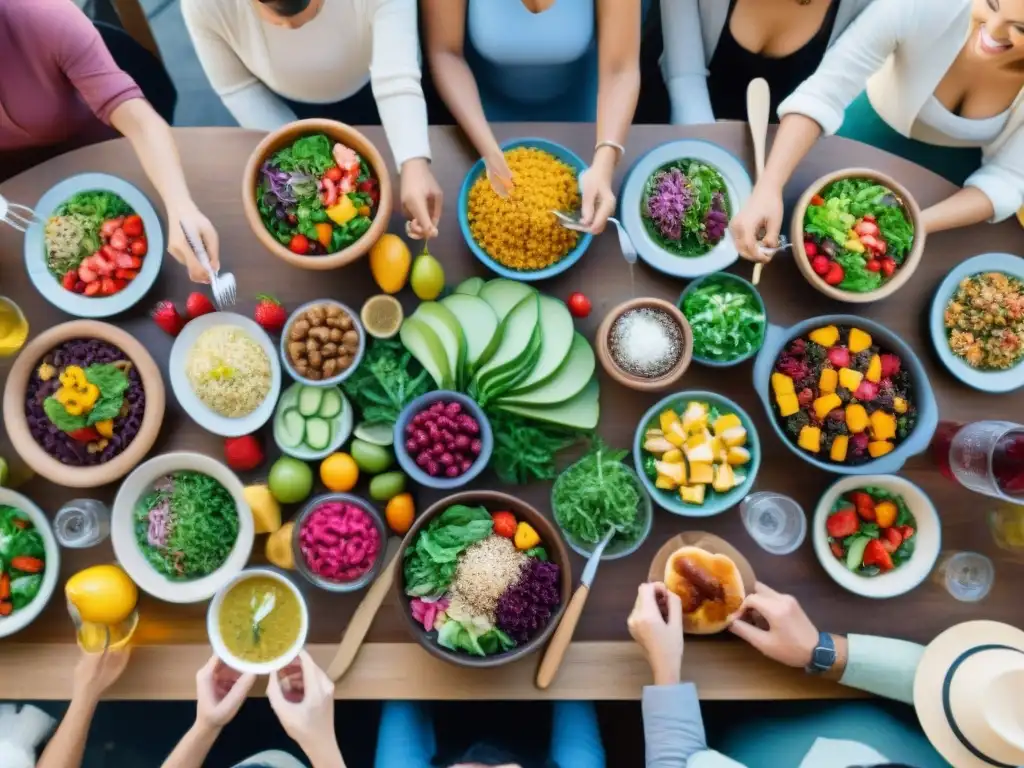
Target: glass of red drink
985 456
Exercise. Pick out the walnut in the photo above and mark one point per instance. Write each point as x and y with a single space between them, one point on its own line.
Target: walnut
299 330
316 359
316 316
329 368
321 334
336 335
330 349
296 350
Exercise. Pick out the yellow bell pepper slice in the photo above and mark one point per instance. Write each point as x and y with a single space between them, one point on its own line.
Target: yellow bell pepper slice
342 212
526 537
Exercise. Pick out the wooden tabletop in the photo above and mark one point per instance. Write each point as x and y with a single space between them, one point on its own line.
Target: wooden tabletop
603 664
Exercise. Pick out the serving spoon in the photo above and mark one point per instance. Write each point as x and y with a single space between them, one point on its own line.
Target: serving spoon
572 221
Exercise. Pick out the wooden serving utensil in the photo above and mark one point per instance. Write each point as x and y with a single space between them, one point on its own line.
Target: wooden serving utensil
559 644
363 617
759 99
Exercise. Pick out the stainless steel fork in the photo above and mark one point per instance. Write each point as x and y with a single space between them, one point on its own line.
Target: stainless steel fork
572 221
21 217
221 283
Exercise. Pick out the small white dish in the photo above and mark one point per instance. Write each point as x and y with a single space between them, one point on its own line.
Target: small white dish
217 641
928 537
737 183
22 618
130 556
341 424
202 414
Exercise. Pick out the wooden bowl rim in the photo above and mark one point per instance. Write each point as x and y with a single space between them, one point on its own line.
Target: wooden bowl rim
33 454
638 383
904 273
550 538
345 134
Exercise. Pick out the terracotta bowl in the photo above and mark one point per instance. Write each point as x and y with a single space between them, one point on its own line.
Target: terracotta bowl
345 134
903 274
640 383
550 538
41 462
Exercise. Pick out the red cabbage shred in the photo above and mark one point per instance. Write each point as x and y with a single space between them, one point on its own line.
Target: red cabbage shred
526 607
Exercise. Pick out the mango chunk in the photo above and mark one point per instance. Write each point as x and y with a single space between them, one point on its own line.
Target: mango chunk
699 449
788 405
899 405
879 448
728 421
738 455
826 404
850 378
665 483
839 447
724 478
692 494
859 340
874 373
674 472
828 380
856 418
701 472
657 444
667 419
810 439
734 436
826 336
695 418
883 425
675 435
673 456
782 384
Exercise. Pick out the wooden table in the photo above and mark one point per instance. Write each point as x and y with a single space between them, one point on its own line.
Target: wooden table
603 664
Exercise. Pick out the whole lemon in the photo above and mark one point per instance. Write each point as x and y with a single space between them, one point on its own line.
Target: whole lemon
339 472
103 594
389 263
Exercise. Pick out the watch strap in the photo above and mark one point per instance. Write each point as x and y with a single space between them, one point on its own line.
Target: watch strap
823 657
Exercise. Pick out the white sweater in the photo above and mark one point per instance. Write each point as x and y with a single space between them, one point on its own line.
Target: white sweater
691 31
900 50
251 64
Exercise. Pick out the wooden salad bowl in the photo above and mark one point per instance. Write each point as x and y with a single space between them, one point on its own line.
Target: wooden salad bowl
604 354
340 132
550 538
33 454
906 270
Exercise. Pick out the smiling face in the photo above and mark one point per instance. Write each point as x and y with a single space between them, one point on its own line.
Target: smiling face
999 31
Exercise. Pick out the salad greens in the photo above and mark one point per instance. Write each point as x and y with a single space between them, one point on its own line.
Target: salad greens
431 562
597 493
112 383
474 636
310 155
22 560
857 277
726 319
96 205
73 232
863 197
685 207
525 450
867 530
387 379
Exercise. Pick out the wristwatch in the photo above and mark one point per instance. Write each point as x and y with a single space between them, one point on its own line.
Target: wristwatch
823 657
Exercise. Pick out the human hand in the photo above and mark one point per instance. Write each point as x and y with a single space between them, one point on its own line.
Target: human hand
762 213
220 693
422 199
656 624
790 638
598 201
499 174
302 697
96 672
188 218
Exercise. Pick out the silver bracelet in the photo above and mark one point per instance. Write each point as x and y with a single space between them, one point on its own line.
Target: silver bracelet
613 144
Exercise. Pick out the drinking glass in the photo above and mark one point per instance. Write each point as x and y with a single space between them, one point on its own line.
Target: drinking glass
97 638
986 457
82 523
13 327
776 522
967 576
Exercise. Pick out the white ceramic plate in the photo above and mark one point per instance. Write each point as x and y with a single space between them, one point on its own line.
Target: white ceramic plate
87 306
985 381
193 406
342 425
217 641
900 580
737 182
22 618
126 547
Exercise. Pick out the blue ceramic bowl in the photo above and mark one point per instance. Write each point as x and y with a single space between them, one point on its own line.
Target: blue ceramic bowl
408 463
93 306
334 380
986 381
714 503
740 284
563 154
777 338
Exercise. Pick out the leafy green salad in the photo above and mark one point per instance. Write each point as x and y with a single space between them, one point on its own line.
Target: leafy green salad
726 319
22 560
685 207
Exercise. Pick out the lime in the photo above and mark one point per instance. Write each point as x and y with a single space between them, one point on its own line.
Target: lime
376 432
385 487
371 459
382 316
290 480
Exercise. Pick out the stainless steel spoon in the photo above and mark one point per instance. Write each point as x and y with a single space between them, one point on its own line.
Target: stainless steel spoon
572 221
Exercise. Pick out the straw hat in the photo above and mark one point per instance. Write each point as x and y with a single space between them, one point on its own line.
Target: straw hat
969 695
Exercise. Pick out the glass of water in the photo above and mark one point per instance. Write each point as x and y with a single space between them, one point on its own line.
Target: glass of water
967 576
776 522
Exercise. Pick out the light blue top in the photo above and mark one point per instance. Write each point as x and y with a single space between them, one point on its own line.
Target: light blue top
674 729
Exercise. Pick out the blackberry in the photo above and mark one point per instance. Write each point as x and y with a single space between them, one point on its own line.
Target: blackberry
796 422
861 361
844 395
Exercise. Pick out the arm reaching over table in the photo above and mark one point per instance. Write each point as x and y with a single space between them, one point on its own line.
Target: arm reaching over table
302 697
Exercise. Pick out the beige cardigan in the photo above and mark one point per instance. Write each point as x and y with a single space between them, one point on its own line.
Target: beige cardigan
900 50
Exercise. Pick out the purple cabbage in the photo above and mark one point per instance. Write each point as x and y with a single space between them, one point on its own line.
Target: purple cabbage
526 607
668 202
286 187
716 220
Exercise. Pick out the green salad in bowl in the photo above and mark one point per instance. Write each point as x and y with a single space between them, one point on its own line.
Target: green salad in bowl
727 319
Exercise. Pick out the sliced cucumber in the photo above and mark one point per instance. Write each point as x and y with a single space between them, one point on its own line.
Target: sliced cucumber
293 428
470 286
579 412
309 401
855 552
318 433
331 403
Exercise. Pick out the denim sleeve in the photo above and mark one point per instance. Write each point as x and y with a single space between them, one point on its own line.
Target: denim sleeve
406 737
575 736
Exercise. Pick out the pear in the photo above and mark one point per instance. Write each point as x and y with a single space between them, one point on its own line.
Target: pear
427 278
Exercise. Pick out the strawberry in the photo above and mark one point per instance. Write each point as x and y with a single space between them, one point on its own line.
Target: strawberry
84 435
243 453
92 289
907 532
198 304
842 523
874 244
811 249
837 549
269 314
133 226
839 357
891 365
866 227
108 227
821 265
891 540
123 260
119 240
165 315
835 274
69 280
875 554
87 275
859 444
107 286
867 391
126 274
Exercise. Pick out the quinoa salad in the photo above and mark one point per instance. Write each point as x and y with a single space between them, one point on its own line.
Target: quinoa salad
229 371
84 402
984 320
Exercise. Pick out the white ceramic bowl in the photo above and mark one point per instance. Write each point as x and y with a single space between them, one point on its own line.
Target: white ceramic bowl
203 415
130 556
902 579
21 619
341 424
221 650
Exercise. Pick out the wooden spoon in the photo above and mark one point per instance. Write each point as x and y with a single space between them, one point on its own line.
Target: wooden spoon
559 644
758 107
361 620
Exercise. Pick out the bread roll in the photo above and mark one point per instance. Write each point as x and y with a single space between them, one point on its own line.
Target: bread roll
709 585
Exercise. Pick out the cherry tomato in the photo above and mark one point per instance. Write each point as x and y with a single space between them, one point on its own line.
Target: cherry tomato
334 174
579 305
888 267
299 244
139 247
810 248
133 225
817 200
873 265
